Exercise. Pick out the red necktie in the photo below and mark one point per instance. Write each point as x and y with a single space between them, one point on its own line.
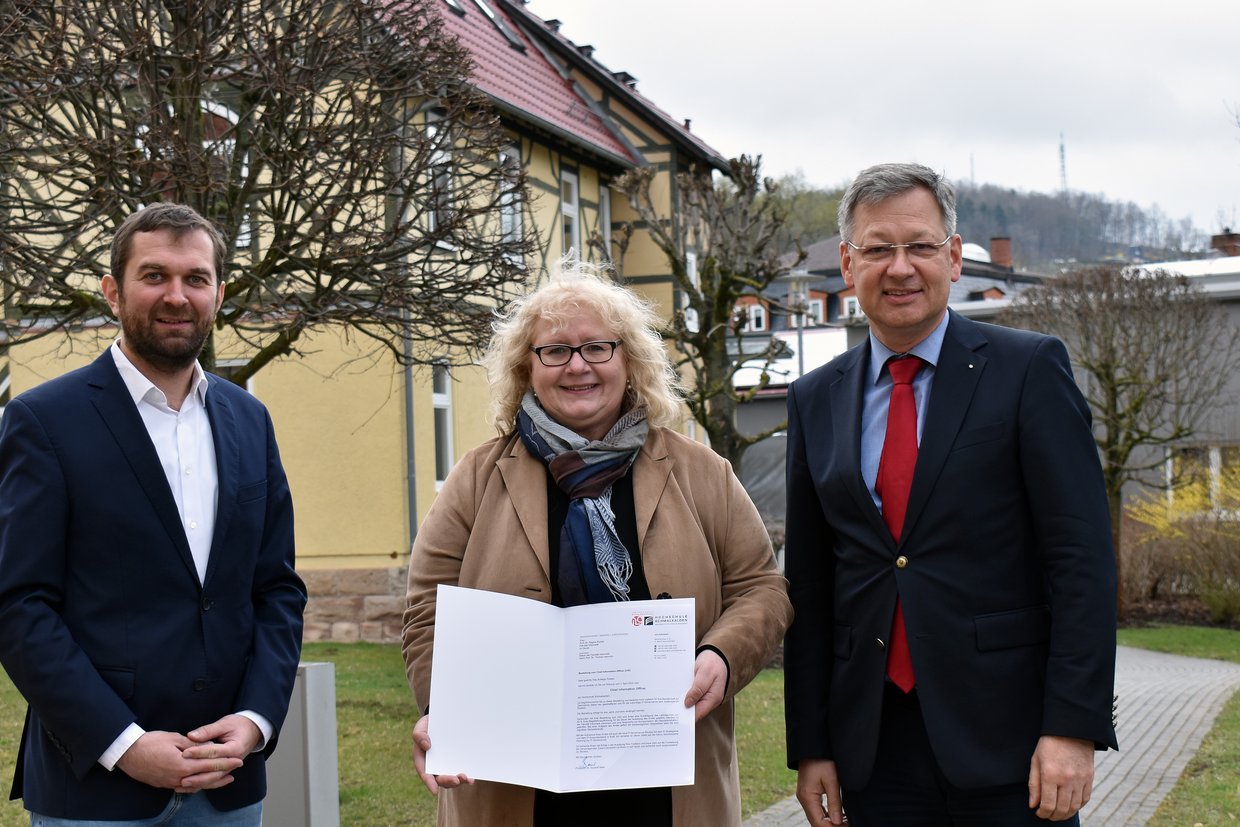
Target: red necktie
895 477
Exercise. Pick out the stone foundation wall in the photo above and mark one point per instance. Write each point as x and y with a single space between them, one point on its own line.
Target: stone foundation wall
348 605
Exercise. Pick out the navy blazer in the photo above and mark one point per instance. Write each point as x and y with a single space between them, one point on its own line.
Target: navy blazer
103 621
1008 582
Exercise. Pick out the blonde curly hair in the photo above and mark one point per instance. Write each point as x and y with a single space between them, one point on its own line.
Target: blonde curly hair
582 288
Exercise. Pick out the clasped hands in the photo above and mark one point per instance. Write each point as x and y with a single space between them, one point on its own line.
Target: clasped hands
710 680
202 759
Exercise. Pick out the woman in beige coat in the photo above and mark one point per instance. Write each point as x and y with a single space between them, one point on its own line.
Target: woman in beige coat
587 496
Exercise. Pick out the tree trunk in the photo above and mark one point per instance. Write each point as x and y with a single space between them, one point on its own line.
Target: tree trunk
724 438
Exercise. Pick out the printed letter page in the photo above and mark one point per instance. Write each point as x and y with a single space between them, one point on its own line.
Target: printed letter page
585 698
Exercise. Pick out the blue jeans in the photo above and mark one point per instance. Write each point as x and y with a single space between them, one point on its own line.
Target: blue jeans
182 811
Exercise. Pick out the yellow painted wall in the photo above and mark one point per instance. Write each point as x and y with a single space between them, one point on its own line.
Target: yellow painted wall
34 363
340 419
339 416
340 425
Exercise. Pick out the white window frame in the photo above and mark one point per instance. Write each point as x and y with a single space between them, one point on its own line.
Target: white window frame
1213 467
225 147
756 316
510 219
815 313
440 174
850 308
441 404
691 317
232 363
5 384
570 211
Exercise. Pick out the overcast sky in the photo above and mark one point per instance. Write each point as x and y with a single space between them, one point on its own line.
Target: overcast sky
1144 93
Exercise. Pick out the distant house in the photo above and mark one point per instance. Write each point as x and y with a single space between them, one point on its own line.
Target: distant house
1216 447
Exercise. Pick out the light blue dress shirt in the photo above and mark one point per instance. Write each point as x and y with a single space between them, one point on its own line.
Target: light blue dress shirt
878 395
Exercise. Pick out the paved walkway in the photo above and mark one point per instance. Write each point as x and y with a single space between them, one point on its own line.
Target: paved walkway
1167 704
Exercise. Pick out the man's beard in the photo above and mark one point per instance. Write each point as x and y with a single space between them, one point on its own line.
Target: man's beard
165 353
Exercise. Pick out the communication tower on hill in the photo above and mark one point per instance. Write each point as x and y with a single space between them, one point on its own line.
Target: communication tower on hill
1063 167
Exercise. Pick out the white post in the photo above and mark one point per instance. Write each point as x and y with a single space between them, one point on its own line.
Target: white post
303 785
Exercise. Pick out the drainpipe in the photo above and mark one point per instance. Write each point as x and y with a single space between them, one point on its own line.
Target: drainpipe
411 468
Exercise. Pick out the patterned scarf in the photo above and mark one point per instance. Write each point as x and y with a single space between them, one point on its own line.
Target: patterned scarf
594 564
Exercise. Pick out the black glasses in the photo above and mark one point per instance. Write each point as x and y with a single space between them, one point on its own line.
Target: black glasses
915 249
553 356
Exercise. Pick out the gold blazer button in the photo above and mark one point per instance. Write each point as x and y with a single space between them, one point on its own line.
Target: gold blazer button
901 561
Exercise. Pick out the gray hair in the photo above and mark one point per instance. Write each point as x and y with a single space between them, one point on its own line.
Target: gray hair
883 181
582 288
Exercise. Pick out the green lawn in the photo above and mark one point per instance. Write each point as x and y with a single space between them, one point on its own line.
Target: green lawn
378 787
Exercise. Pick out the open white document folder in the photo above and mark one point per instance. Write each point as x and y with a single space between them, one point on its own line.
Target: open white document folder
584 698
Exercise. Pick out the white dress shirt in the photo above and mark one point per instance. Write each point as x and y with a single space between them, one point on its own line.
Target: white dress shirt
186 450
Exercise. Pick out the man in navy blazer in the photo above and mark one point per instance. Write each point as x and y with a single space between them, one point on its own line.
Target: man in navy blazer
1003 570
150 612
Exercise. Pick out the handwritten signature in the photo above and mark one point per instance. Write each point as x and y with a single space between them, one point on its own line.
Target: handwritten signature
589 763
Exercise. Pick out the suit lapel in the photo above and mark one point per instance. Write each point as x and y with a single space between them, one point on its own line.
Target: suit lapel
227 468
112 401
847 395
955 381
525 477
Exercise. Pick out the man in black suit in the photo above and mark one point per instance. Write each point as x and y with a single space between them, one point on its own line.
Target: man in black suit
150 612
952 656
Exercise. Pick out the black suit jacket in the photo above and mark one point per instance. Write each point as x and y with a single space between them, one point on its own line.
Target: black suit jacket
102 618
1009 583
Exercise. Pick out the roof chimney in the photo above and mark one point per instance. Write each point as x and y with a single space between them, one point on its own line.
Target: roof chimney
1226 242
588 51
625 78
688 125
1001 251
553 25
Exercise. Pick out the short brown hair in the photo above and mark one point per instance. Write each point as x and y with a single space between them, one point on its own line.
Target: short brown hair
164 216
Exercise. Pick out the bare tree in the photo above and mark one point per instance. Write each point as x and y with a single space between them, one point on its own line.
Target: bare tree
810 211
726 228
335 142
1152 354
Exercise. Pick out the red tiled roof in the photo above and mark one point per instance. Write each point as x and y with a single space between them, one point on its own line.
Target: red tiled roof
525 82
676 129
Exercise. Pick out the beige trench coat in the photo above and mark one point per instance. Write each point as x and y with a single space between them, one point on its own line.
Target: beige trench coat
700 537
